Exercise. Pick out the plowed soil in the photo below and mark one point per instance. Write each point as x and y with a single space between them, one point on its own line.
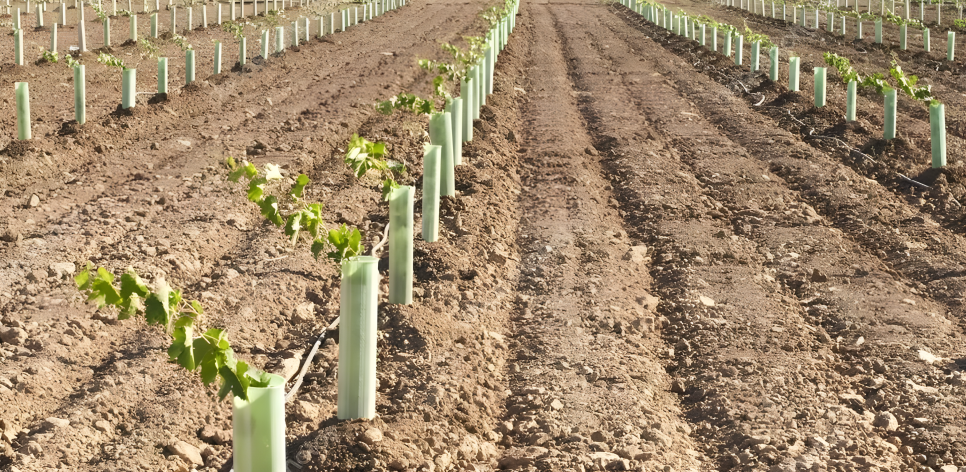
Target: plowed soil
653 261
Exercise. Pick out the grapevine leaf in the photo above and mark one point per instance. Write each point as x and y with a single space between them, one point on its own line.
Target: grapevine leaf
262 379
388 186
256 189
131 283
230 163
103 291
346 241
293 226
229 383
313 218
299 186
218 337
250 170
269 207
181 348
272 172
205 358
130 306
83 279
196 306
236 174
156 304
184 320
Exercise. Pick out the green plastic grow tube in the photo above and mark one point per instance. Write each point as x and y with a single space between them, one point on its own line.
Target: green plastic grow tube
18 47
80 94
53 38
217 67
258 428
154 25
243 51
128 87
937 127
358 303
739 49
793 69
401 245
163 75
773 67
22 92
431 164
455 109
850 101
820 86
925 38
189 66
727 44
889 125
950 45
878 31
902 37
441 133
466 93
755 56
265 44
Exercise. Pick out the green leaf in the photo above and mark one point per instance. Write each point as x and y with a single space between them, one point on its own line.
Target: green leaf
103 291
156 304
235 381
313 218
388 186
196 306
269 207
346 241
261 379
131 284
83 279
206 359
293 226
130 307
181 348
230 163
272 172
299 186
256 189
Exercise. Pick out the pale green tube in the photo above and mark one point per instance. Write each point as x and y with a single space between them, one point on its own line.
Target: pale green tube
950 46
163 75
80 94
490 63
23 110
258 429
850 101
937 126
217 68
793 65
703 43
133 27
295 33
431 171
189 66
40 16
107 32
714 39
773 68
739 50
481 73
243 51
358 303
925 38
727 44
191 12
307 32
265 44
128 88
441 133
455 109
401 245
890 114
466 93
819 87
816 19
279 39
878 31
63 13
154 25
53 38
755 56
332 23
902 37
843 26
858 29
830 19
18 47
